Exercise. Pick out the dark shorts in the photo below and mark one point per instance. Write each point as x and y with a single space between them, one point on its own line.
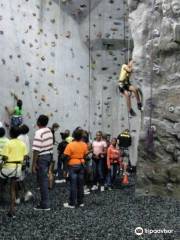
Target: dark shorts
125 87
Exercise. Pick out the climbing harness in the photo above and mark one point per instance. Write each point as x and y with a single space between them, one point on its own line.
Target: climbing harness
13 173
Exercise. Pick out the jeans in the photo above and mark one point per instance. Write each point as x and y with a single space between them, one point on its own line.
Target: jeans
112 174
59 167
76 175
98 171
43 164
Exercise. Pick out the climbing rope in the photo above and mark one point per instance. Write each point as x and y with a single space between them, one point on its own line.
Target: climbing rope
150 130
126 58
89 107
126 53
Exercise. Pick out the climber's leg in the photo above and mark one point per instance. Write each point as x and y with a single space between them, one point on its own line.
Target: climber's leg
135 91
128 99
124 89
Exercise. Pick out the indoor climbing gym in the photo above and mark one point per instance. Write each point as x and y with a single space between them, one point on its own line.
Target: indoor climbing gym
89 119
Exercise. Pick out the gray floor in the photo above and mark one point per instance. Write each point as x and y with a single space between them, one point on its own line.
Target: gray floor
109 215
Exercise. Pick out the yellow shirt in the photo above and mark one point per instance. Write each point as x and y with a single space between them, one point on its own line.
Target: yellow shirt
69 139
124 75
15 150
3 142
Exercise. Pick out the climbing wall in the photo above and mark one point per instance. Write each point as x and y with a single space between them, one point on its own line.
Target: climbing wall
63 59
44 61
156 36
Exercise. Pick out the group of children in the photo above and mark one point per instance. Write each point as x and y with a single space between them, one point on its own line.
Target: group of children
101 162
86 165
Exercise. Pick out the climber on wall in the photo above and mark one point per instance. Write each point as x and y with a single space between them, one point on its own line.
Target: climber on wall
125 87
16 114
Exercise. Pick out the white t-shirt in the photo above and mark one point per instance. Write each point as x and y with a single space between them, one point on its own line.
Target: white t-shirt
25 139
43 141
1 125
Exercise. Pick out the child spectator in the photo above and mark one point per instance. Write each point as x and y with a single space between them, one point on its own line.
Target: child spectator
114 160
69 138
88 174
76 151
42 159
14 153
24 130
53 129
3 141
61 167
99 151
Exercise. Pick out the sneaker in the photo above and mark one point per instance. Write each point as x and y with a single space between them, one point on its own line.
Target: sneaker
109 189
95 187
67 205
11 215
139 105
132 113
28 196
86 192
18 201
60 181
39 208
102 188
81 205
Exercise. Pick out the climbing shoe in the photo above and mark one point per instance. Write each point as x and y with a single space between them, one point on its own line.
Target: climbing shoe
139 105
132 113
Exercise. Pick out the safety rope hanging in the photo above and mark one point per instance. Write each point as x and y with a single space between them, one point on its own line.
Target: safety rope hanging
150 130
126 52
89 45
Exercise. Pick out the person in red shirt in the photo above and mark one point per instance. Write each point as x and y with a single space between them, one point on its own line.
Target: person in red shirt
114 159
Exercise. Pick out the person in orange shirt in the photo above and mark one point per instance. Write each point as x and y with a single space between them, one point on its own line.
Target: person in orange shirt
75 152
114 159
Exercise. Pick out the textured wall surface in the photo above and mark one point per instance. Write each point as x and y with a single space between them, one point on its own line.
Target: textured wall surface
156 36
42 63
63 58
